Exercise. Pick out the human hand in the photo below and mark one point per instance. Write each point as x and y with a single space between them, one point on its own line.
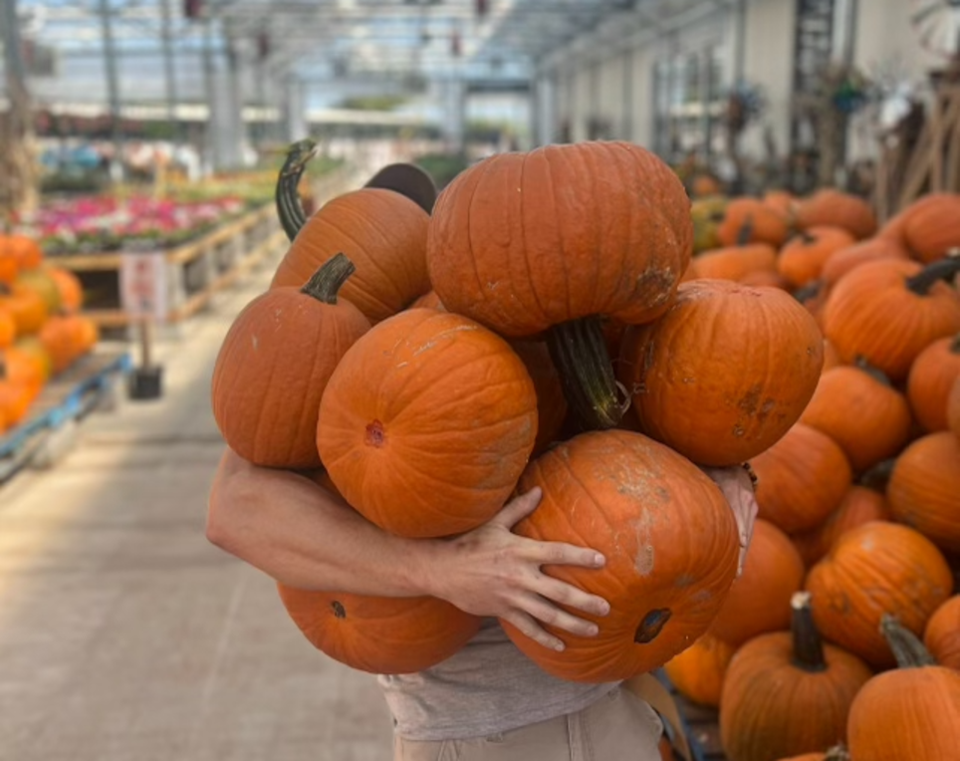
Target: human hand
736 484
491 571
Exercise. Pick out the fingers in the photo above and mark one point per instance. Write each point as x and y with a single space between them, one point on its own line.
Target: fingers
528 626
518 508
561 553
558 591
547 613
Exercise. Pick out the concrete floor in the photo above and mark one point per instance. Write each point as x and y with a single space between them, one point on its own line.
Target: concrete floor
124 635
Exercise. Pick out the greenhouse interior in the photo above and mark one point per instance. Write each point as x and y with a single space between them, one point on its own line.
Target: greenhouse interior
236 236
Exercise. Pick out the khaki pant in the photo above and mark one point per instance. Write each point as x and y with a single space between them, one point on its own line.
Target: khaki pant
618 727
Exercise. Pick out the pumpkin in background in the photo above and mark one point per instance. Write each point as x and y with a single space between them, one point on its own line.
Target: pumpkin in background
953 408
701 388
911 712
859 505
924 489
16 396
698 671
931 379
942 635
931 229
429 300
851 257
875 568
551 403
831 358
23 249
275 362
69 288
64 339
27 307
781 201
555 240
42 283
736 262
859 409
831 207
9 267
787 693
759 600
24 368
802 259
669 539
857 315
837 753
427 423
382 232
8 329
765 279
30 349
801 479
749 220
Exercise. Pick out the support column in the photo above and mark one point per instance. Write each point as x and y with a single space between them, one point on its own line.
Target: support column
113 87
169 70
628 94
19 178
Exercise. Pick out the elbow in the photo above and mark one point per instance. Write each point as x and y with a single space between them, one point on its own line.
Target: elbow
221 526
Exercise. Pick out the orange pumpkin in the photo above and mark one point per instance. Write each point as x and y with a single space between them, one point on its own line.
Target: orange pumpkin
427 395
801 479
851 257
877 567
429 300
551 403
9 267
788 692
765 279
953 409
698 671
669 539
859 505
831 357
759 601
924 489
802 259
858 408
29 350
749 220
16 396
27 307
911 712
942 635
931 229
23 249
858 316
836 753
931 379
698 387
736 262
40 281
835 208
8 328
781 201
69 288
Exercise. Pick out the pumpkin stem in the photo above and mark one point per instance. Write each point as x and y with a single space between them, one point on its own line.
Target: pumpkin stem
862 363
955 344
906 646
289 209
808 291
940 270
878 476
807 644
326 282
837 753
746 231
807 238
579 351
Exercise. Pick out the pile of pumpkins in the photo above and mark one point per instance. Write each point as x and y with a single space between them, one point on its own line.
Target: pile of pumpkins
859 501
42 332
543 325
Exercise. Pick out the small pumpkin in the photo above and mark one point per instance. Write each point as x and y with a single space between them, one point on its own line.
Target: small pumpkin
427 423
781 201
801 479
859 505
831 357
697 672
930 381
40 281
750 220
26 306
61 340
736 262
924 488
911 712
788 692
703 390
8 328
859 409
803 257
931 229
835 208
16 396
429 300
759 600
765 279
9 266
669 539
851 257
23 249
942 635
30 349
275 362
857 315
69 288
877 567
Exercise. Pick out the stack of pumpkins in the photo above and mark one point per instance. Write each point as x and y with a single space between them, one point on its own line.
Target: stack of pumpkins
42 331
424 367
859 501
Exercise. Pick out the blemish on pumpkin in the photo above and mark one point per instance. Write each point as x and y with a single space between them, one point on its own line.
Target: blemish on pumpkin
375 436
750 400
766 409
685 580
738 430
644 560
338 610
651 625
255 341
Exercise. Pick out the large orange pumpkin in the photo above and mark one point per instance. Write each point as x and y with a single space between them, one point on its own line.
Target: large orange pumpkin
698 671
803 258
750 220
788 692
832 207
909 713
801 479
859 409
876 568
859 505
942 635
851 257
22 248
759 601
701 388
382 232
931 378
275 362
427 397
924 489
889 311
670 542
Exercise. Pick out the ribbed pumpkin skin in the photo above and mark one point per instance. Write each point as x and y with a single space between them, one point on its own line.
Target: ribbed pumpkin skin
381 635
942 635
771 708
854 256
869 419
8 328
924 489
551 403
382 232
273 366
701 388
931 379
736 262
836 208
802 259
953 409
857 321
908 714
427 423
933 228
669 537
767 225
698 671
523 241
874 569
802 479
759 600
860 505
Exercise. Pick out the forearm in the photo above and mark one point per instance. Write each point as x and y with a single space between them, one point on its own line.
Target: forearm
294 531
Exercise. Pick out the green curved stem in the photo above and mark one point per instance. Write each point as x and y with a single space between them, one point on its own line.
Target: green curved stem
289 209
906 646
941 270
326 282
862 363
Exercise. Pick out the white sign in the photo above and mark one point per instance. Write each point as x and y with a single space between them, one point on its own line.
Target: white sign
143 285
